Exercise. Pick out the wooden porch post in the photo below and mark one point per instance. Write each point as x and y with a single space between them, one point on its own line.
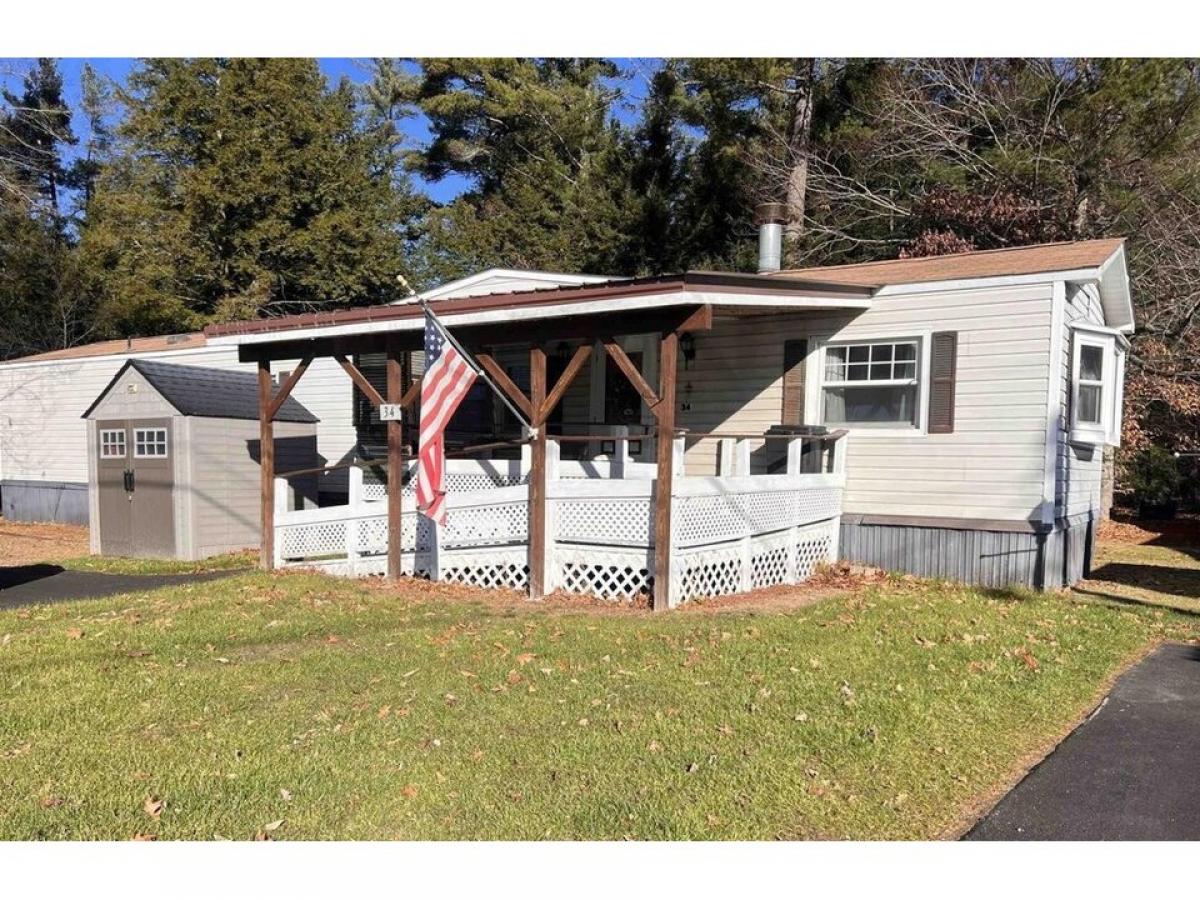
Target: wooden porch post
395 467
266 453
537 476
665 412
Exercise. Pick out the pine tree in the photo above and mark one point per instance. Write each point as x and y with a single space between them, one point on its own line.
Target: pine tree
33 131
546 168
43 305
243 187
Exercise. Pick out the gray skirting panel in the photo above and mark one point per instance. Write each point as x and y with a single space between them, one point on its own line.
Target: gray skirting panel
998 559
44 501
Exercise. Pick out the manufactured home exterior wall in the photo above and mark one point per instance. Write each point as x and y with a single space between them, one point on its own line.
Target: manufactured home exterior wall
43 439
991 467
1080 467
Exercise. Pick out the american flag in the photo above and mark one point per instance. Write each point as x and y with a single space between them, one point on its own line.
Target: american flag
448 377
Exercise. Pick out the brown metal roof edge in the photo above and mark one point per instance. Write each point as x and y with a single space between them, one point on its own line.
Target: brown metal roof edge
657 284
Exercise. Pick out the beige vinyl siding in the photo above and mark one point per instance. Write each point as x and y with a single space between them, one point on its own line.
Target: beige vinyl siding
222 484
1080 467
993 464
576 402
43 438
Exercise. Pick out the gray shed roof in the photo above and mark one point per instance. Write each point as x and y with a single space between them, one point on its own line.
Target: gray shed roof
211 393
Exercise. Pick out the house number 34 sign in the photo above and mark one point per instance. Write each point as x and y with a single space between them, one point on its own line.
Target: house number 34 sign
390 412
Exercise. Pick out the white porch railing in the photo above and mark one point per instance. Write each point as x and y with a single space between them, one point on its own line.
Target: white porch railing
730 532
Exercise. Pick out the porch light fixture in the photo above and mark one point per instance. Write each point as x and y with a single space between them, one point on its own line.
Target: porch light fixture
687 346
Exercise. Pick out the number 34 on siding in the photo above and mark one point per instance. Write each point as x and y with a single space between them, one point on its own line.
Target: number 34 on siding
390 412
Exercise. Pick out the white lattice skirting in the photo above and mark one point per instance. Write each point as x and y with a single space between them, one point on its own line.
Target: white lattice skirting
729 534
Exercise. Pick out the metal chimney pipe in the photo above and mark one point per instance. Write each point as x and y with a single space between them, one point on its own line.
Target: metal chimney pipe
770 218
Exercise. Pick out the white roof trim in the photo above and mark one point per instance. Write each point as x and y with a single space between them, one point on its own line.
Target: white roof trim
551 311
1115 297
551 279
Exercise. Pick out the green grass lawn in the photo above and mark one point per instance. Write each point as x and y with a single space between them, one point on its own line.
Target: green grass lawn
304 707
121 565
1146 574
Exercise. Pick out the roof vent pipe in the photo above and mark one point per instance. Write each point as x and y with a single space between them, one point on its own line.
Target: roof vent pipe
770 218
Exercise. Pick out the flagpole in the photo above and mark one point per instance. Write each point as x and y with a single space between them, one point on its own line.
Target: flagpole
470 360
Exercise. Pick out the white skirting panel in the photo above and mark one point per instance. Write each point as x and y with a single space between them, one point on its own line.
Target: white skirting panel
729 534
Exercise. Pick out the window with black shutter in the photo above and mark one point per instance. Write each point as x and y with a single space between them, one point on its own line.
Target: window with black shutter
943 370
795 353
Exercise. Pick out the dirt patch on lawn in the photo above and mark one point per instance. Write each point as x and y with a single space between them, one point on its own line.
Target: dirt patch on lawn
22 543
826 582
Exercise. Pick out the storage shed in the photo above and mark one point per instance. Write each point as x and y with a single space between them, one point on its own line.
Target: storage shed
173 460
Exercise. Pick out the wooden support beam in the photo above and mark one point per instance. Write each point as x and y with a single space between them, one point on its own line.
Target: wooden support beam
395 468
266 465
411 396
668 359
515 394
555 396
537 479
534 331
360 379
285 389
625 364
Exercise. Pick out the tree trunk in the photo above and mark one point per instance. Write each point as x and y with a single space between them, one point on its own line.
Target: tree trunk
798 139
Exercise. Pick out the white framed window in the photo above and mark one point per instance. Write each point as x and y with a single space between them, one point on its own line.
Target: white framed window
149 443
1096 374
874 383
112 443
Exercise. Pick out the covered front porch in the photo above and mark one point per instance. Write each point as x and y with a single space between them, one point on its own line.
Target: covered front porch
729 533
571 512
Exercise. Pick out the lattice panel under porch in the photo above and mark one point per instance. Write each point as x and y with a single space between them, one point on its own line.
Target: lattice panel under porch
626 523
712 572
769 560
812 549
603 573
503 569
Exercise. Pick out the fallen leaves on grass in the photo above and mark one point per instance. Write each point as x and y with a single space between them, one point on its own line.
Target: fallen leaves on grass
1028 658
153 806
74 634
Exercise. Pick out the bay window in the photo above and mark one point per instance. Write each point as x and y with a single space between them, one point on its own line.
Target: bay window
1096 373
872 383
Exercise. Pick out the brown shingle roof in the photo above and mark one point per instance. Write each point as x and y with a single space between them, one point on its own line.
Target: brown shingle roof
190 341
975 264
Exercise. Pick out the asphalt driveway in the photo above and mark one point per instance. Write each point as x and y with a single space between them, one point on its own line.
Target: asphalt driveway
1130 772
48 583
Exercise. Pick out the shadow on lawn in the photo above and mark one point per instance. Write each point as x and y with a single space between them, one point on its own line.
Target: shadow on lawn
12 576
1146 584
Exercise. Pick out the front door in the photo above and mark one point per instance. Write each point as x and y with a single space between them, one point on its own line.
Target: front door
136 479
116 499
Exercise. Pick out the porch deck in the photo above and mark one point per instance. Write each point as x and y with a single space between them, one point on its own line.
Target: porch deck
730 532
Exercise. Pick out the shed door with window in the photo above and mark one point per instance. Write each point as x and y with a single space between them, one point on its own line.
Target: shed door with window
136 481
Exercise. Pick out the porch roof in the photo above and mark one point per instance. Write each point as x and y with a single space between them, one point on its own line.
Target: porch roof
724 293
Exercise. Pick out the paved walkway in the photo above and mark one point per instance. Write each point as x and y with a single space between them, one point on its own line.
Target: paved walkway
45 583
1131 772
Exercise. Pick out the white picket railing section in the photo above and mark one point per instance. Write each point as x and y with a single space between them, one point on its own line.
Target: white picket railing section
730 533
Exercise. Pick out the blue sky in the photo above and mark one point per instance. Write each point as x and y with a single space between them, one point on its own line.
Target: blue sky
633 83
